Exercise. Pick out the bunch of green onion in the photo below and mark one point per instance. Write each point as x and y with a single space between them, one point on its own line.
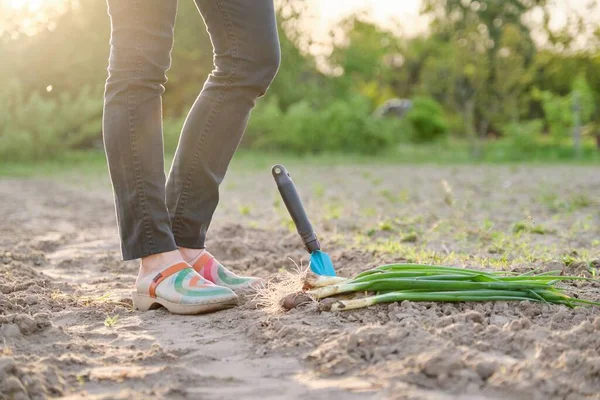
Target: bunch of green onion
415 282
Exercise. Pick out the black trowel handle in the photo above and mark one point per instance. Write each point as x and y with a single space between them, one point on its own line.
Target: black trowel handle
295 208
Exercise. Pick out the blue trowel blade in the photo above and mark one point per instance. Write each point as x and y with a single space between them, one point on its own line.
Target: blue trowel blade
321 264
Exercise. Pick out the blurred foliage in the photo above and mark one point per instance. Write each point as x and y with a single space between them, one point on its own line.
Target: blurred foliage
36 127
476 76
426 120
523 136
342 125
560 110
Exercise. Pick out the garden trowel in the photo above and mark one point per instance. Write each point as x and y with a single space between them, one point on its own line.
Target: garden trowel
320 263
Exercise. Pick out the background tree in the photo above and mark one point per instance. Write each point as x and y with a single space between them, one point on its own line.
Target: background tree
457 74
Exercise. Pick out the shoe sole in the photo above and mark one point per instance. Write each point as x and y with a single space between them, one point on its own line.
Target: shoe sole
143 302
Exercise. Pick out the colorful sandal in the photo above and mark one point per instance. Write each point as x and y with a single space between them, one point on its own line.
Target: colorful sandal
181 290
207 266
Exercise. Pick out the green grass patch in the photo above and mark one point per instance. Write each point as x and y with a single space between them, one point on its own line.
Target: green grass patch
529 227
80 162
450 151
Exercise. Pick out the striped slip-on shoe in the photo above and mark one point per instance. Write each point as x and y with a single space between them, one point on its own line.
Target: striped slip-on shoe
207 266
181 290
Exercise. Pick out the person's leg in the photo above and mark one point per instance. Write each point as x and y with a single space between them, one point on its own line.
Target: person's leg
140 54
141 42
246 58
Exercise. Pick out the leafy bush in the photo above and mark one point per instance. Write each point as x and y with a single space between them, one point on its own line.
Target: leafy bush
582 97
342 126
42 127
171 132
263 122
558 113
426 119
524 136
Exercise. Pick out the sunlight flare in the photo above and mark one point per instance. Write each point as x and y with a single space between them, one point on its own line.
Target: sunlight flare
32 5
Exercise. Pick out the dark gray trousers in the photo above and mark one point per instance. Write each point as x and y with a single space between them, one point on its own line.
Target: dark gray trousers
156 214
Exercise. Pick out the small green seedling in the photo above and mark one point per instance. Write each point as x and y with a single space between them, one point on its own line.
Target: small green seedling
110 322
319 190
529 226
245 210
410 237
386 226
81 379
333 211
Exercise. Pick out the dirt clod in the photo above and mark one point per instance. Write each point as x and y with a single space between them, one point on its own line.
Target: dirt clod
485 369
